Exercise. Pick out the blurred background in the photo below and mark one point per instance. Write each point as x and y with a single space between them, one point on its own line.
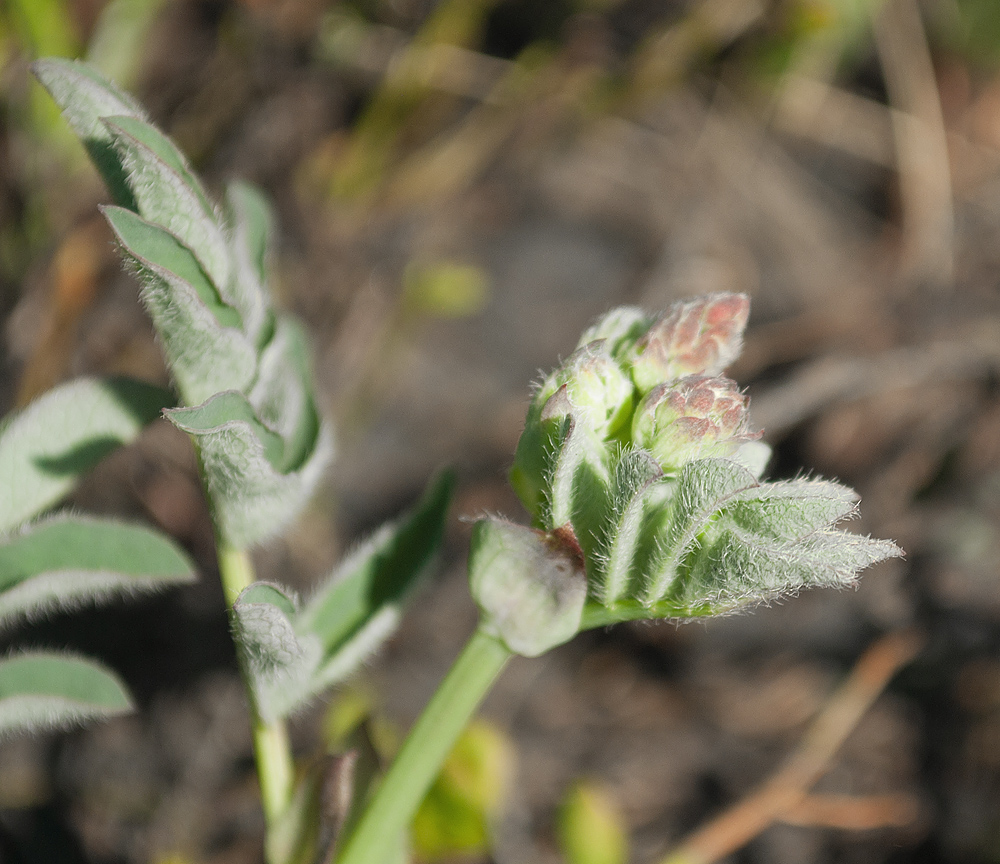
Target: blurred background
461 186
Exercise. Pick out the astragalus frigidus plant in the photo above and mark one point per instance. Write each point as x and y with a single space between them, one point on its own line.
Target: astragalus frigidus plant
638 464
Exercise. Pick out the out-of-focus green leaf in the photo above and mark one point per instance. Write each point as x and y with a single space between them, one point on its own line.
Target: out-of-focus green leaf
454 819
47 27
591 829
254 500
70 559
251 226
205 348
41 690
168 193
65 432
446 289
118 44
85 97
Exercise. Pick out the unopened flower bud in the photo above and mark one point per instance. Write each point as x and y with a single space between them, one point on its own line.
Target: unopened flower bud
698 337
597 388
620 328
694 418
592 388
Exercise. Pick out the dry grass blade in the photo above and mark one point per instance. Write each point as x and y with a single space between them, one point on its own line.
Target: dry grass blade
785 792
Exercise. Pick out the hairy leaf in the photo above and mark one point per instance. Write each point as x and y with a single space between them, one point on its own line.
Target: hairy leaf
84 97
71 559
578 475
635 472
168 194
206 350
41 690
253 499
381 571
281 395
65 432
293 655
703 488
736 566
251 228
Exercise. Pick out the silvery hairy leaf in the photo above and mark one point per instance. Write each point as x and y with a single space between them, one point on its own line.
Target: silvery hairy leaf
251 227
167 192
66 560
84 97
205 347
530 585
42 690
282 395
294 652
254 497
65 432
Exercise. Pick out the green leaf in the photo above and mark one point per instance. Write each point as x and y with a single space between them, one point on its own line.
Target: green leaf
68 560
65 432
790 509
381 572
40 690
281 394
591 828
253 499
206 350
251 224
293 655
84 97
578 476
735 567
169 194
703 488
277 662
635 472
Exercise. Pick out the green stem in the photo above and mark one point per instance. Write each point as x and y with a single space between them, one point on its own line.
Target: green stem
424 751
272 749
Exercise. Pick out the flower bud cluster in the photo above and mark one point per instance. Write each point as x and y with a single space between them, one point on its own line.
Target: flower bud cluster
642 474
639 381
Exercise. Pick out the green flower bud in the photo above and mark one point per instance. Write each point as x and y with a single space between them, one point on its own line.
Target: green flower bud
597 388
620 328
592 387
698 337
695 418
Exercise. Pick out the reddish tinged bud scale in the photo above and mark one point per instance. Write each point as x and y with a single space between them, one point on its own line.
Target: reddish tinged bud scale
694 418
700 337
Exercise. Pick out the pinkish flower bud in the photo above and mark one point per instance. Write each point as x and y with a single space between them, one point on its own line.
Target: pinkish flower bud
694 418
698 337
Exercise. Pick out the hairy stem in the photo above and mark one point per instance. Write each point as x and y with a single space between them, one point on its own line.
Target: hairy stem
272 749
424 751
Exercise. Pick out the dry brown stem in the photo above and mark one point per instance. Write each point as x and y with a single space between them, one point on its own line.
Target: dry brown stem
784 794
